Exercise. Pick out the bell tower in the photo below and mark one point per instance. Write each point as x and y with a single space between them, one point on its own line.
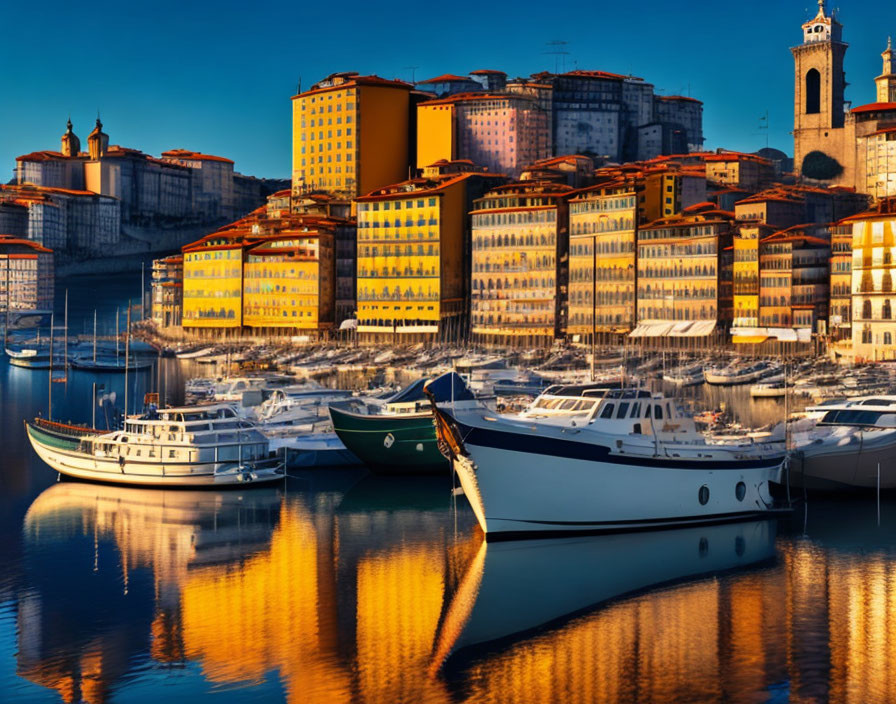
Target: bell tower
820 122
886 81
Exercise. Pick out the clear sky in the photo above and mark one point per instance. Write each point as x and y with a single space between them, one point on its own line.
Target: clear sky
217 76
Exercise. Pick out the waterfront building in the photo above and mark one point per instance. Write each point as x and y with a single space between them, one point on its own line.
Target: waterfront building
684 276
602 252
490 79
167 291
794 279
213 280
414 256
212 184
13 218
683 115
502 132
520 270
840 319
289 283
350 134
873 296
879 168
745 274
669 188
26 275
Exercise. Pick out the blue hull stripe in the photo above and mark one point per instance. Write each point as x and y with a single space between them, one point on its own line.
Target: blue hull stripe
570 449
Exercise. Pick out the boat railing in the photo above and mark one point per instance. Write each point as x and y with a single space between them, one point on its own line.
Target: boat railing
69 429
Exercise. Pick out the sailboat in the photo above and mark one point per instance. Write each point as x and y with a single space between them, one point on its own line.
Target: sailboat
104 362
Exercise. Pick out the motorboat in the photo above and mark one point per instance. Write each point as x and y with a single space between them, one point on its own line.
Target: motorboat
195 353
685 376
852 445
399 438
299 405
233 389
311 446
627 459
769 389
513 590
109 364
736 374
186 446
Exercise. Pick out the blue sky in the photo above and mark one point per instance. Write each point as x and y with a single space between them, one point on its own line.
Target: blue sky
217 77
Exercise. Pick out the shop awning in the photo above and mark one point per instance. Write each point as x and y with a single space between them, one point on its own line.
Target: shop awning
348 324
749 339
651 330
693 328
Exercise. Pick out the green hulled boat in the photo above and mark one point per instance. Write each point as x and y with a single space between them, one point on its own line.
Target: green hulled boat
399 440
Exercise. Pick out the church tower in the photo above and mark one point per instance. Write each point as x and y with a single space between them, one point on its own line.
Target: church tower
71 145
886 81
97 141
820 123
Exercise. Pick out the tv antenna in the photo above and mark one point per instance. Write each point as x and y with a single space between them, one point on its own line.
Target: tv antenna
557 49
413 70
763 125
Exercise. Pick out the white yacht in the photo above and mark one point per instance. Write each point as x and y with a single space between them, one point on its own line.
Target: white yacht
233 389
298 405
846 444
188 446
624 460
736 374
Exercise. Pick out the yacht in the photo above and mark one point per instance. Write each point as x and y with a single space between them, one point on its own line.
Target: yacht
627 459
846 444
187 446
685 376
298 405
232 389
736 374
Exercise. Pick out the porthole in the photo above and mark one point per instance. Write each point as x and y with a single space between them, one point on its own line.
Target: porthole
703 495
740 491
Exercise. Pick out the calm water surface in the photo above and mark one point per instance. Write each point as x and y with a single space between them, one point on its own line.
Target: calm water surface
340 586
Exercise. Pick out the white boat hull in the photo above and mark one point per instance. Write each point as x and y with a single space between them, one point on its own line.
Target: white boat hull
516 492
79 465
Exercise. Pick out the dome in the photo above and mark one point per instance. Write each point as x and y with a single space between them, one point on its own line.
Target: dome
71 145
97 141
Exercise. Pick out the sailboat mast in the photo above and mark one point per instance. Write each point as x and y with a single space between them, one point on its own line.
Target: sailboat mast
50 379
65 341
94 335
127 345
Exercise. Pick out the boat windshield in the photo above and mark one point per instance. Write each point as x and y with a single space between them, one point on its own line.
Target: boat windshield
857 417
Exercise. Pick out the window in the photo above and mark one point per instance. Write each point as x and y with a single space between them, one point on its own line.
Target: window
658 412
607 412
813 92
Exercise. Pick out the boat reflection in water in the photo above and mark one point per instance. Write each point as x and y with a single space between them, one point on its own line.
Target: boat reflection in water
516 588
356 589
105 567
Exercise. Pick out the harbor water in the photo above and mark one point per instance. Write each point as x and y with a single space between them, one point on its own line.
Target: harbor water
341 586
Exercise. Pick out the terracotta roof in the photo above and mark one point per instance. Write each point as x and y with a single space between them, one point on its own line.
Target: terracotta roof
875 107
27 189
445 78
195 156
352 80
884 130
14 240
477 97
679 97
45 155
280 194
595 74
487 72
417 187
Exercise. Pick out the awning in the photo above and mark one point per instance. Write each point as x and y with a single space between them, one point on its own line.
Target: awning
804 334
651 330
681 329
693 328
348 324
783 334
749 339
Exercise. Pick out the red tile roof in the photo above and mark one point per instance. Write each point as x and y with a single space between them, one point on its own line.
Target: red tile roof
875 107
195 156
445 78
474 97
679 97
9 240
353 80
487 72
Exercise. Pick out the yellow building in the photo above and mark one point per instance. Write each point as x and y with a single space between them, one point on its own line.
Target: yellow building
840 320
413 266
873 295
602 221
746 273
520 242
289 283
350 134
684 276
213 280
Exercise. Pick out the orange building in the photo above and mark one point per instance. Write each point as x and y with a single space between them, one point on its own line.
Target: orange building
350 134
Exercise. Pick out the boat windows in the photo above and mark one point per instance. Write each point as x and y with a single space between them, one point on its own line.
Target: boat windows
658 411
703 495
607 412
623 410
854 417
740 491
648 407
636 410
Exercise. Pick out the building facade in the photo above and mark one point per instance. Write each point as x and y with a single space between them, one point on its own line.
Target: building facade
350 134
840 320
502 132
873 296
213 281
26 275
520 245
602 254
413 257
168 291
684 275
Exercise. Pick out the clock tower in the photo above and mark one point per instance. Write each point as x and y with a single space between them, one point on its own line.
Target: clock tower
820 122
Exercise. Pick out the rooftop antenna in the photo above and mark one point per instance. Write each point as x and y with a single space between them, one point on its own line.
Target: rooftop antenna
763 125
413 70
557 48
299 87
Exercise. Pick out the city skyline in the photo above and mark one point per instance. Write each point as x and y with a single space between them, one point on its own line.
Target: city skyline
236 102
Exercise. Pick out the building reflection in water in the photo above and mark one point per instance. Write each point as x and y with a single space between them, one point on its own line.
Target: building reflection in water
383 593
